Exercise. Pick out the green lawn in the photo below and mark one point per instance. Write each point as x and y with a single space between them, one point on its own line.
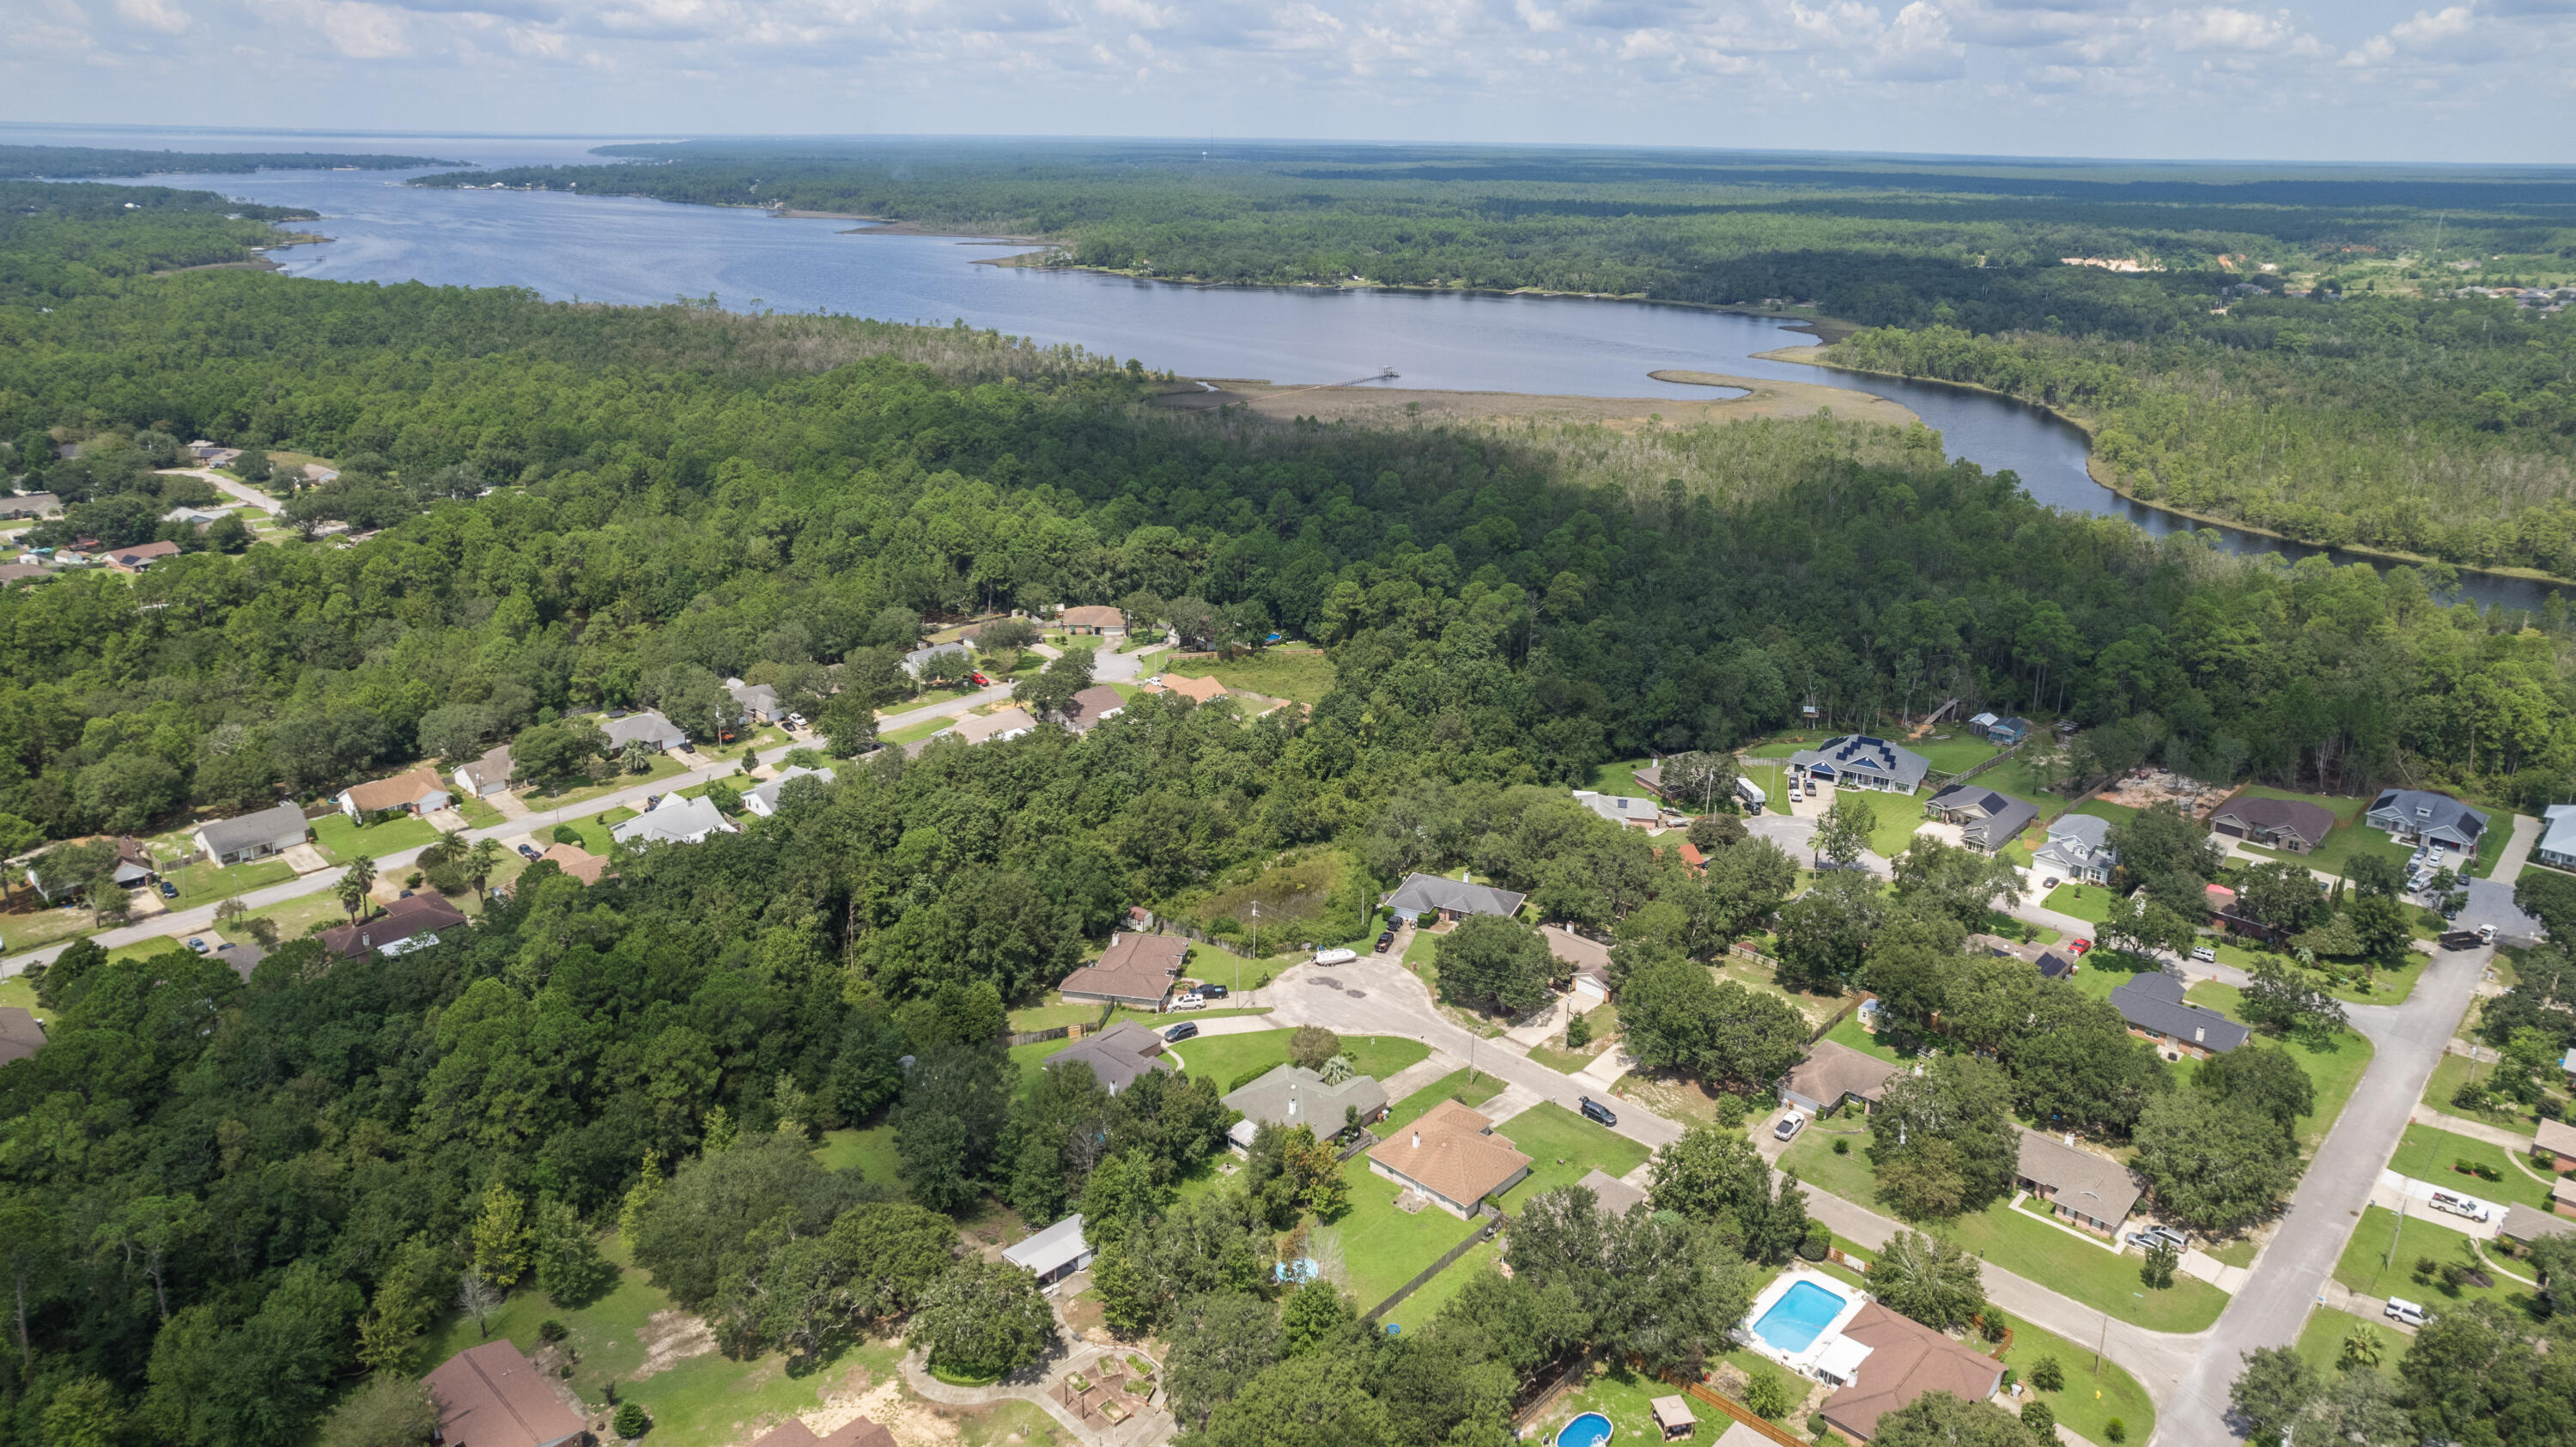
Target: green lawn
1899 815
1383 1248
2321 1340
2090 903
2349 839
1847 1031
593 832
294 918
2104 809
16 990
1404 1112
1627 1398
1303 675
664 766
2334 1064
2013 776
2491 845
1226 1059
1618 778
199 884
2454 1072
2090 1399
1563 1147
2019 1242
2367 1269
2428 1154
1779 748
1956 755
914 733
341 839
869 1152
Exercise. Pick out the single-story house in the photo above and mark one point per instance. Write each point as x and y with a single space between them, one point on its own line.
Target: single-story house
2419 816
1118 1056
1858 761
242 958
758 701
1092 707
2523 1225
919 658
406 925
1622 808
1010 723
1905 1360
1196 690
196 517
2009 731
140 556
243 837
2562 1198
317 473
1691 857
1137 969
2557 844
1588 959
2078 848
1833 1073
1984 721
21 1033
25 573
1095 620
763 799
2050 964
1451 899
134 867
29 504
675 820
1452 1156
492 1396
657 733
576 861
2094 1192
2153 1005
1293 1095
1054 1253
1987 820
482 778
2293 826
1614 1196
417 792
2555 1146
856 1432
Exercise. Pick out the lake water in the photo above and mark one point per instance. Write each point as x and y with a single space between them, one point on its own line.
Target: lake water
626 250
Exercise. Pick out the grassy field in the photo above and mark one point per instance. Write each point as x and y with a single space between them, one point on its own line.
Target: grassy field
2104 809
2366 1266
664 766
1303 675
1899 815
2428 1154
1416 1311
1957 754
2090 1399
15 990
1848 1032
199 884
1482 1088
2334 1064
1563 1147
294 918
1383 1248
341 839
2454 1072
1619 777
870 1152
2013 776
2321 1341
1226 1059
914 733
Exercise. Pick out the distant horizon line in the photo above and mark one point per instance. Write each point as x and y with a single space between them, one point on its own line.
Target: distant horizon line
1953 158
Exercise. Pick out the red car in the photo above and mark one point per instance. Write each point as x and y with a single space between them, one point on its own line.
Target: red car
980 680
2079 947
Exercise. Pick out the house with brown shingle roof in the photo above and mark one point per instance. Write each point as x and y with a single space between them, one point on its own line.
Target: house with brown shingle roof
576 861
1196 690
406 925
1906 1360
418 792
21 1033
141 556
1092 707
2289 824
1452 1156
2555 1145
493 1396
857 1432
1833 1073
1094 618
1136 969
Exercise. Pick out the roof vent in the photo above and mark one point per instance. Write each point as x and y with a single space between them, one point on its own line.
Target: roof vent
2199 1034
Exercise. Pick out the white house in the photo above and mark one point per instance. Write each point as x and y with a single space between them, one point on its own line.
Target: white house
763 800
482 778
2558 846
251 836
658 733
2078 848
674 821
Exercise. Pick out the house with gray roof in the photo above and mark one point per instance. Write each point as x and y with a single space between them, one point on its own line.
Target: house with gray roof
2418 816
763 800
657 733
251 836
758 701
2094 1192
1614 1196
2558 845
914 661
2293 826
1052 1254
483 777
2078 848
673 821
1833 1073
1858 761
1622 809
1987 820
1451 899
1293 1095
1118 1056
21 1034
2154 1007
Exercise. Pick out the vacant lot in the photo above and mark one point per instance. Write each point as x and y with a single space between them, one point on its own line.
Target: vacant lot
1231 1059
1300 675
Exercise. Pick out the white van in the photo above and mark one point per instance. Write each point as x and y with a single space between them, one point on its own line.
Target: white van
1335 957
2204 955
2458 1205
2404 1313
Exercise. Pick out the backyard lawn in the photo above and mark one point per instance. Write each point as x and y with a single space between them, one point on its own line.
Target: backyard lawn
1899 815
1847 1031
1404 1112
1381 1247
869 1152
1619 777
2349 838
341 839
1563 1147
2104 809
1627 1398
1416 1311
2367 1266
2013 776
1229 1059
2321 1341
2430 1155
2089 1401
1957 754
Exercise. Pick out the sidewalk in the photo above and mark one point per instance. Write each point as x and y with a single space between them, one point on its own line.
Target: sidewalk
2473 1129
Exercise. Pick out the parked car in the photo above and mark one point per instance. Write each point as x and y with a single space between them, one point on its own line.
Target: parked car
529 851
796 720
1384 940
1335 957
2079 947
980 680
1789 1126
168 890
2486 934
2153 1236
197 943
2469 1207
1219 992
1191 1001
1595 1110
2203 954
1185 1030
2404 1312
2049 883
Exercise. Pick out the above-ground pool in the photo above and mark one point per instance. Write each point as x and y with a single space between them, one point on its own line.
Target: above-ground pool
1589 1430
1793 1322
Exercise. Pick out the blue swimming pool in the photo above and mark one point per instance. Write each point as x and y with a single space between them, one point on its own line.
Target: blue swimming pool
1589 1430
1793 1322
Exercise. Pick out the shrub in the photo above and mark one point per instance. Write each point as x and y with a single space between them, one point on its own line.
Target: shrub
2047 1375
1994 1325
1578 1032
2041 1419
631 1422
551 1330
566 834
2115 1431
1312 1045
1768 1395
1817 1426
1842 1145
1818 1244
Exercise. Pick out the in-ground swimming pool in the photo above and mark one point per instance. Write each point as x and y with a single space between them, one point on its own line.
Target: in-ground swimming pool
1589 1430
1793 1322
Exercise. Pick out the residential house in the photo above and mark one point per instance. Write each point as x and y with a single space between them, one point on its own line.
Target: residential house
1009 723
492 1396
29 504
763 799
140 556
758 701
1904 1360
1858 761
2557 845
1588 959
2078 848
242 958
919 658
2094 1192
416 792
199 518
1987 820
1615 1197
2293 826
316 473
1451 899
406 925
1196 690
244 837
2153 1005
134 868
1095 620
1054 1253
2050 964
21 1034
2554 1148
2418 816
1622 808
576 861
24 573
1118 1056
2523 1225
1833 1073
1452 1156
1292 1095
647 725
2008 731
1692 859
482 778
1137 969
1092 707
676 820
1982 722
856 1432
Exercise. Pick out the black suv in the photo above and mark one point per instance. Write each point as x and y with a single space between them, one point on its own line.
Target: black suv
1595 1110
1385 940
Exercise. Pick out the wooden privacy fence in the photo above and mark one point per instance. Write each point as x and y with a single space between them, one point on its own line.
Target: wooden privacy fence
1481 1235
1702 1392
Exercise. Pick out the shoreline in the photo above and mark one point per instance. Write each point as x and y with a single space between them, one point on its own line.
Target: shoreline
2100 472
1327 402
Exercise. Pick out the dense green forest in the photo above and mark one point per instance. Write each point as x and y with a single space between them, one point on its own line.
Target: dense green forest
59 241
74 162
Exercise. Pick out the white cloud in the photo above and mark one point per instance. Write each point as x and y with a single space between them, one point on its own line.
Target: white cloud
158 15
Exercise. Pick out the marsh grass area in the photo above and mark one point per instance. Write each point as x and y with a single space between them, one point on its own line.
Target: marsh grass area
1296 672
1394 406
1316 895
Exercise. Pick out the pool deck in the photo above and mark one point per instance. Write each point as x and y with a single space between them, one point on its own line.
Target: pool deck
1802 1362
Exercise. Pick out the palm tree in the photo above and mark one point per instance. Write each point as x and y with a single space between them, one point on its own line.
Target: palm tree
480 863
353 886
447 848
2361 1349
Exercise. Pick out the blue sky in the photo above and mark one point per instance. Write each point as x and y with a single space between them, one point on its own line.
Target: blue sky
2487 80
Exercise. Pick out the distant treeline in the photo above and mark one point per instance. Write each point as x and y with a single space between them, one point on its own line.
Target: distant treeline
30 162
65 240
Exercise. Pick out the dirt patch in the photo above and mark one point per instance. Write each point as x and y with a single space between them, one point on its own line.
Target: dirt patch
913 1423
2146 788
1084 1318
1392 405
672 1337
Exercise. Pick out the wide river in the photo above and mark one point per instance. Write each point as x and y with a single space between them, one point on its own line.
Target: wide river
624 250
